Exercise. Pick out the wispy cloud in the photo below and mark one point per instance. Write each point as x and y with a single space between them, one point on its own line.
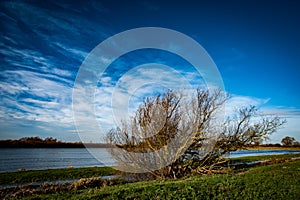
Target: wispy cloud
236 102
42 49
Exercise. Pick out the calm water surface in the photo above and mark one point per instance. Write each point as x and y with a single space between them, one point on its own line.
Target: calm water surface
12 159
243 153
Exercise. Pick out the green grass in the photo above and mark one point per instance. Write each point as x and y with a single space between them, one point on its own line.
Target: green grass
77 173
54 174
277 181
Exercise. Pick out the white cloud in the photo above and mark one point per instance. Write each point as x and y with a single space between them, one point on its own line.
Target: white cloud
236 102
75 52
35 85
32 97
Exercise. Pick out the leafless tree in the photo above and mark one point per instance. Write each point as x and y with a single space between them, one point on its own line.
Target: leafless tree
239 132
173 134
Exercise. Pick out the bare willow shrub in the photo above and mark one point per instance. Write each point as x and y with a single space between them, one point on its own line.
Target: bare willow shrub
175 134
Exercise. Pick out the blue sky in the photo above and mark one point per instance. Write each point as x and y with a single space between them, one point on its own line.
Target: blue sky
255 45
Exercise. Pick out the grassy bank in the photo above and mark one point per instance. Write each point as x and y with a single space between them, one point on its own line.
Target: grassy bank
277 181
54 174
273 148
77 173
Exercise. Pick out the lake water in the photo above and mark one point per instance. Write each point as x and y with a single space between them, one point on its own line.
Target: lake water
12 159
243 153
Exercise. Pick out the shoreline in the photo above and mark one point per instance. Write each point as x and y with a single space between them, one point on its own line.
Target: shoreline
272 148
256 151
45 175
102 187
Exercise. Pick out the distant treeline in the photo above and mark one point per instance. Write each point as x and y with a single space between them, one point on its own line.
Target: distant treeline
37 142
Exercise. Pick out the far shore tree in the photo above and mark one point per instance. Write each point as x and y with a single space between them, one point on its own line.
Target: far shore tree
289 141
199 113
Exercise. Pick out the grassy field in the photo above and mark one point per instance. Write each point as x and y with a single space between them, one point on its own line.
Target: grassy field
54 174
277 181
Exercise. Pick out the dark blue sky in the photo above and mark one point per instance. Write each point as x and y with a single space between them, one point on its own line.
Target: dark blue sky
255 45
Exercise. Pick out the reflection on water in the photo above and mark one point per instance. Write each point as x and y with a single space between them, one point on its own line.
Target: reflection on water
12 159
